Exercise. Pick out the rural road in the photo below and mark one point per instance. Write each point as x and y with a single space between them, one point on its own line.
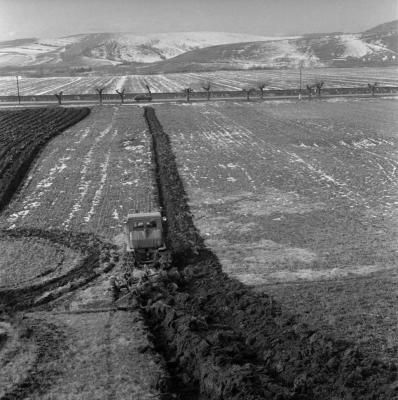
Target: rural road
172 100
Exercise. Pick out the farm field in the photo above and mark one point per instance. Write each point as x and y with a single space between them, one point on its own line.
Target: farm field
22 135
88 178
56 240
70 353
221 80
276 193
299 201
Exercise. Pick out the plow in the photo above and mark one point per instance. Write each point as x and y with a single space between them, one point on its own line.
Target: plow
145 251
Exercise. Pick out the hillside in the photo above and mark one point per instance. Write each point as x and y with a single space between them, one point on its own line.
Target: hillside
197 51
378 47
112 48
387 28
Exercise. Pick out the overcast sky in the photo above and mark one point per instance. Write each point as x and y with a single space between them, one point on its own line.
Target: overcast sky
52 18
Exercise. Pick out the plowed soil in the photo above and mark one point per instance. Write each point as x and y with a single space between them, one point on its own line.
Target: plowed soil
23 134
223 340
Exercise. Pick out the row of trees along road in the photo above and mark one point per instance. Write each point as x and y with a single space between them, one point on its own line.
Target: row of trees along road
311 89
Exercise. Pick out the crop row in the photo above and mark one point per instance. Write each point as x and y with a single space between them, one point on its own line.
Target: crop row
22 141
220 81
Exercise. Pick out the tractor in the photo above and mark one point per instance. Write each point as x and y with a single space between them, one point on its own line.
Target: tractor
145 246
144 237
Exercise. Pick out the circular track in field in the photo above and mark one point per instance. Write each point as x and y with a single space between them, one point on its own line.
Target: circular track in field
38 266
30 260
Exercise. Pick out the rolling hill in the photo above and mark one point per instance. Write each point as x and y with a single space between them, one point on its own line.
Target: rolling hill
197 51
376 47
112 48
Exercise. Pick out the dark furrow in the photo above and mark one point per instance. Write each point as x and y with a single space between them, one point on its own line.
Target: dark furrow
15 164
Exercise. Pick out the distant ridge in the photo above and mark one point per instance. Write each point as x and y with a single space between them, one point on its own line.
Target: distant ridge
113 48
386 28
197 51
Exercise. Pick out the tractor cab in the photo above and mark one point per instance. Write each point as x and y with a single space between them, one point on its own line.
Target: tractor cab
145 248
144 231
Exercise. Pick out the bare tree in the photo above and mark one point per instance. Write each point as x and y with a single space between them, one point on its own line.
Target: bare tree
121 94
319 85
188 92
373 87
262 86
207 86
99 91
310 89
248 91
59 97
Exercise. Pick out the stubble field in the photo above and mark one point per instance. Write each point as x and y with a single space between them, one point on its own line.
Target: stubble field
89 178
299 200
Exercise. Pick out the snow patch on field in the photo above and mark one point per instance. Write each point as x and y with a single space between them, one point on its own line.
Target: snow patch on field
84 183
307 274
262 258
82 187
200 197
104 174
85 132
138 149
285 203
270 202
115 215
98 193
364 143
323 175
47 182
31 202
14 217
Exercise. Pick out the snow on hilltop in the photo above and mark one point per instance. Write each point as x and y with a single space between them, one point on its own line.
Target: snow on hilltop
162 46
173 52
117 47
356 47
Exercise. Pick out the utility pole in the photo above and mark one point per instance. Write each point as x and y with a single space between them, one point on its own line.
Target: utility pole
19 97
301 74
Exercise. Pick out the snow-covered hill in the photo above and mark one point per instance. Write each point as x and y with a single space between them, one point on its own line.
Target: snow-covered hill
111 48
185 51
315 51
157 47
